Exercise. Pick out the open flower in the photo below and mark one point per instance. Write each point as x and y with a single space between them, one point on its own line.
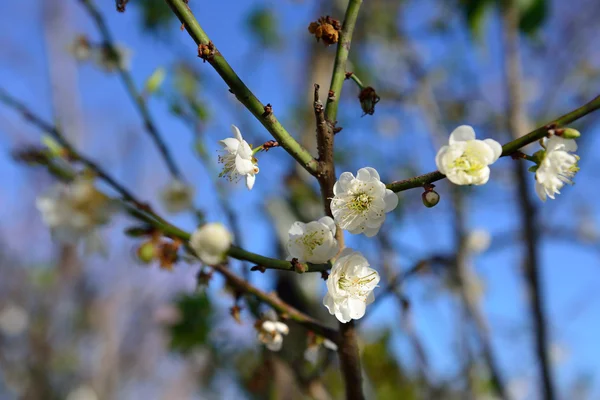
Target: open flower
558 166
237 159
211 242
74 211
350 286
465 160
360 203
313 242
270 333
315 342
177 196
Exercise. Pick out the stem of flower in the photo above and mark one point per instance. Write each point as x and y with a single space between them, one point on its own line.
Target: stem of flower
507 149
241 91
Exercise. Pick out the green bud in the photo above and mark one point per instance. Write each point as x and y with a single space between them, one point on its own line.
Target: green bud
570 133
430 198
155 80
146 252
538 156
56 150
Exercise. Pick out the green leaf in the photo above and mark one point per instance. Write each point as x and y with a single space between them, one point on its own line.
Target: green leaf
262 23
155 80
193 328
476 12
533 15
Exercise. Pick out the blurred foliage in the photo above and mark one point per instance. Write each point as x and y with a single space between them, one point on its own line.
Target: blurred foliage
193 327
532 14
388 379
262 23
155 15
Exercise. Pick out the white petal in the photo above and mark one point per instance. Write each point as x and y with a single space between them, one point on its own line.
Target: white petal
391 200
462 134
540 191
343 183
439 157
236 132
329 223
297 228
230 144
282 328
276 343
245 151
329 303
367 174
250 178
357 308
496 148
330 345
243 166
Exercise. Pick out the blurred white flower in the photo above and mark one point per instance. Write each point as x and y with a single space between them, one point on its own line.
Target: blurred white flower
74 211
313 242
109 61
558 166
13 320
83 392
80 48
270 333
311 354
211 242
237 159
478 241
465 160
360 204
177 196
350 286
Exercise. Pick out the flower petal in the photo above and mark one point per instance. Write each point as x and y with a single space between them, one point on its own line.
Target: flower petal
367 174
343 183
496 148
328 221
230 144
439 157
236 132
250 178
391 200
357 308
462 134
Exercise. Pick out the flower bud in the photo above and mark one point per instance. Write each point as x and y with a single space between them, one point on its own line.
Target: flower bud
430 198
368 98
211 242
146 252
570 133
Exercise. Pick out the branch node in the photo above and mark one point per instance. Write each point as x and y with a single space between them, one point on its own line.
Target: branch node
268 110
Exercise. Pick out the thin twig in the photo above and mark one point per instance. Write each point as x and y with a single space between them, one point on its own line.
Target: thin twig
241 91
531 264
135 95
507 149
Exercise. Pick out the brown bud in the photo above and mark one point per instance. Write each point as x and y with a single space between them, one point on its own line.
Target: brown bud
235 313
206 51
368 98
297 266
312 28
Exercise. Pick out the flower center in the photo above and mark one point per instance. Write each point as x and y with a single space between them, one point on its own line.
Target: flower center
311 241
358 286
468 162
360 203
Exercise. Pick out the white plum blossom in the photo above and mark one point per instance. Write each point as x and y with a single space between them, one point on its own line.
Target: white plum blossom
211 242
313 242
270 333
177 196
74 211
350 286
238 159
360 203
315 342
557 167
465 160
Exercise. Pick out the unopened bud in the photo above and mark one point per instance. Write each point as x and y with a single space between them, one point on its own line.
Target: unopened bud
430 198
368 98
570 133
146 252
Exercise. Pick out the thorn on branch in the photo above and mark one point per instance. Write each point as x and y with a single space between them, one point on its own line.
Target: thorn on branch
335 129
206 51
259 268
268 110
